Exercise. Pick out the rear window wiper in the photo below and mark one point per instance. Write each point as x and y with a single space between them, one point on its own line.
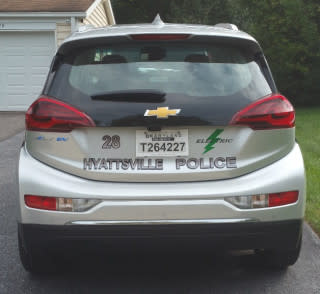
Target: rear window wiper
131 96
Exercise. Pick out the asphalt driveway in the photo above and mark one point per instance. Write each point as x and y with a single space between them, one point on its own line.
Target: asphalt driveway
11 123
219 273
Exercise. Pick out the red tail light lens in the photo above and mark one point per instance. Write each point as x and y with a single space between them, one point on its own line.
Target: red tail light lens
60 203
41 202
283 198
50 115
159 37
272 112
263 200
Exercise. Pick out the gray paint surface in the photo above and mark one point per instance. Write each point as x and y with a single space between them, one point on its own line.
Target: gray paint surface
221 273
161 28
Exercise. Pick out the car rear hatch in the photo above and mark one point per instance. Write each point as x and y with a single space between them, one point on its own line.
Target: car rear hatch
160 109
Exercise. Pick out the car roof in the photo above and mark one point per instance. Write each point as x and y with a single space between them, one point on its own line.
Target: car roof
159 27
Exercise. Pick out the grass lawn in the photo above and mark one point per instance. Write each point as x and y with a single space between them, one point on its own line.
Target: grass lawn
308 136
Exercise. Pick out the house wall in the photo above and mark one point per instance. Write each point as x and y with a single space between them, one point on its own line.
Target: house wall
98 17
63 30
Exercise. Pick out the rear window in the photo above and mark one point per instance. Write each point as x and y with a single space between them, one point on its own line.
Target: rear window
195 70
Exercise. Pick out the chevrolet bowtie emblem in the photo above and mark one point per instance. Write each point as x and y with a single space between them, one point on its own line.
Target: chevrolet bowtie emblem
162 112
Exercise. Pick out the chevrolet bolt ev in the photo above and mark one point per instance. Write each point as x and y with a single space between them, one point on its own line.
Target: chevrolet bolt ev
160 134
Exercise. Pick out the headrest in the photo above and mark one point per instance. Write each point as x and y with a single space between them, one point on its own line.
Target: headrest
114 59
197 58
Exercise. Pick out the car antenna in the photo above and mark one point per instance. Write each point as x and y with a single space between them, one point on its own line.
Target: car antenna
157 20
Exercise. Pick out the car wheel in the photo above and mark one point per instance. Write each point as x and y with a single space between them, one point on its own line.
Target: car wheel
280 259
34 262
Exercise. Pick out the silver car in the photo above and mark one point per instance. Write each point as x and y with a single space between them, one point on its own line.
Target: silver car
161 134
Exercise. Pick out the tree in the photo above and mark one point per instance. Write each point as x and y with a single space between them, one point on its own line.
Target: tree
181 11
199 12
290 39
139 11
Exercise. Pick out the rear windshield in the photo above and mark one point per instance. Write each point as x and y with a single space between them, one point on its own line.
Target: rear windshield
193 70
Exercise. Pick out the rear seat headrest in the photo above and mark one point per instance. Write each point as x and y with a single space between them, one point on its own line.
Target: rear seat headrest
197 58
114 59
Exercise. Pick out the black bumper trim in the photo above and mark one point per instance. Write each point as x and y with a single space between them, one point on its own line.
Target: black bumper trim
251 235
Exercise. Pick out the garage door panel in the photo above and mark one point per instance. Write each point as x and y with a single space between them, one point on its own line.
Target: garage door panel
24 63
37 82
15 101
39 71
15 60
40 50
16 89
16 79
40 60
13 51
16 69
36 89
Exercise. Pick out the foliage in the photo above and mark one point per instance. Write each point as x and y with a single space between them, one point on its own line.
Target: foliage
199 12
308 136
290 39
139 11
183 11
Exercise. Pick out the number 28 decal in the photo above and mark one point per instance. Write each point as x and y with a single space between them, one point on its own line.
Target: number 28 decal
111 142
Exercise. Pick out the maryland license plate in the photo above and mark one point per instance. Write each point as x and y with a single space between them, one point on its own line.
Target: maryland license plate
162 143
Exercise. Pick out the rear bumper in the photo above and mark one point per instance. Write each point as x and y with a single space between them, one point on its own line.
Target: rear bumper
278 235
183 202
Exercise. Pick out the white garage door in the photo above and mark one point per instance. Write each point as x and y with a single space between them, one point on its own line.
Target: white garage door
24 62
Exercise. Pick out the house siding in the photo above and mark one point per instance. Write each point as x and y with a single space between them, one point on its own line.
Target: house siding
98 17
63 30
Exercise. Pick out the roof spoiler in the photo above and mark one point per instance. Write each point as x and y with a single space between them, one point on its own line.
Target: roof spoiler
228 26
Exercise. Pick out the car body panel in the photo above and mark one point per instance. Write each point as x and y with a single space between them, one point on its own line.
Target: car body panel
127 30
162 201
81 153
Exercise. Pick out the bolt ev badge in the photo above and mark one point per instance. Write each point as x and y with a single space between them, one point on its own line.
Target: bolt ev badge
162 112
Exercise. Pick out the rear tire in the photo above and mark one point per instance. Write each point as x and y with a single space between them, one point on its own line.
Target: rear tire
281 258
34 259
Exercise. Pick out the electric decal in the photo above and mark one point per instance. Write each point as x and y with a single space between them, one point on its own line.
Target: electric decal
212 139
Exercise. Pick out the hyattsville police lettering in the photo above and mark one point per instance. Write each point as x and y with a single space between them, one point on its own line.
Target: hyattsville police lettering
158 164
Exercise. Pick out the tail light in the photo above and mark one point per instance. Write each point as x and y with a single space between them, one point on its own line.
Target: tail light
50 115
263 200
159 37
40 202
59 203
278 199
272 112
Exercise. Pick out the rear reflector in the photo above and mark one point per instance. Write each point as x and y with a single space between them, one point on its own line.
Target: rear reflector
40 202
59 203
278 199
272 112
159 37
263 200
51 115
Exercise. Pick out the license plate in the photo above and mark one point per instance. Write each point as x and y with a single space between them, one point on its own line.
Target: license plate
162 143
